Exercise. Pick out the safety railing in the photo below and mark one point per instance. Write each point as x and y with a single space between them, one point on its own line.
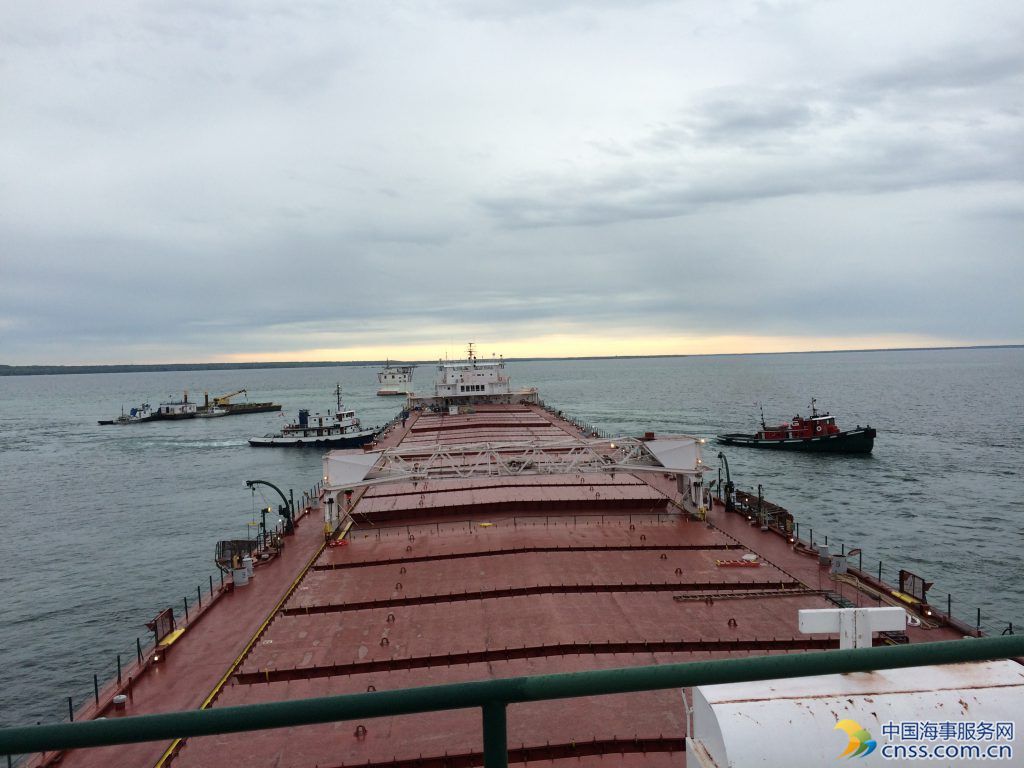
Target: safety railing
967 617
492 697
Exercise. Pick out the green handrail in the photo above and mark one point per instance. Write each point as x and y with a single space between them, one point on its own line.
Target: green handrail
494 695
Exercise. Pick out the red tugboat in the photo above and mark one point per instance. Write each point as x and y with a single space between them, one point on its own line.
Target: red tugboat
817 434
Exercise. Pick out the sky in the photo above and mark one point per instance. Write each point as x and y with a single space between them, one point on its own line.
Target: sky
183 181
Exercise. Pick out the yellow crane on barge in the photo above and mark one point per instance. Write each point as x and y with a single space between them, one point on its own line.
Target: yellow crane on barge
224 402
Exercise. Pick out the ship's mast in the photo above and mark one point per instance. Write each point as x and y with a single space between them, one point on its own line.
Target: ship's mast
338 393
814 411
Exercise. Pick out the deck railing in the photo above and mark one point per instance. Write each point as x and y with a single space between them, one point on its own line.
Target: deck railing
492 697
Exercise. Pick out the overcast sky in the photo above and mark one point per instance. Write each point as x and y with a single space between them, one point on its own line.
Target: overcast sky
187 181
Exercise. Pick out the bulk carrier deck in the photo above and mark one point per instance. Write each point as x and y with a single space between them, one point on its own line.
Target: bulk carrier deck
494 542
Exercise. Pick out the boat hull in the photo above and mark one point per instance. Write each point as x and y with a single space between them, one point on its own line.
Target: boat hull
332 441
852 441
237 409
122 422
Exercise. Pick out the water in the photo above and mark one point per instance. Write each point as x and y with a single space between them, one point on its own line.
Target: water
105 526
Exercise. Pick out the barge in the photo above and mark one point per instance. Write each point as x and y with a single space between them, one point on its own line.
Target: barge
185 409
236 409
487 537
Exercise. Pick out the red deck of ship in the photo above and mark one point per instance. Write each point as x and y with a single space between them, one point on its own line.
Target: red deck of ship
466 579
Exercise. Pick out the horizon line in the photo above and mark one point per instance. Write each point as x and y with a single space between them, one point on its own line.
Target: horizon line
34 369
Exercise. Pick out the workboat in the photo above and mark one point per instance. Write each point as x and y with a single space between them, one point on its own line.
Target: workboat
478 552
817 434
340 429
134 416
395 380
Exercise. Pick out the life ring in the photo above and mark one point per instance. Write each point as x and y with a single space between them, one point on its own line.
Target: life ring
818 428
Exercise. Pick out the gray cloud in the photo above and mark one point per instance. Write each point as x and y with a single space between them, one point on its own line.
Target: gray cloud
750 144
186 181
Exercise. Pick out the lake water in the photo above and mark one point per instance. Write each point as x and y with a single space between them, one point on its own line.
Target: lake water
105 526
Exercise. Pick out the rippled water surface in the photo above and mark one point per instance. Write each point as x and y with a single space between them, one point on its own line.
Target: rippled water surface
104 526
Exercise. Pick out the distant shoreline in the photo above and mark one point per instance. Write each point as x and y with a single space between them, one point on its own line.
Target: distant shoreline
57 370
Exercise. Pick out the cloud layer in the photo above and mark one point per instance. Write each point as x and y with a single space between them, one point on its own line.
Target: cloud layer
188 182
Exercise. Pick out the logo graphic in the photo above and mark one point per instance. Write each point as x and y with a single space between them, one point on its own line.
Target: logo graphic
861 743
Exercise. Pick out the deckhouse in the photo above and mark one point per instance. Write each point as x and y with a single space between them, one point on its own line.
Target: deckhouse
471 381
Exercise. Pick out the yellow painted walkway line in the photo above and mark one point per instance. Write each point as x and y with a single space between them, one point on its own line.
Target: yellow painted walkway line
165 758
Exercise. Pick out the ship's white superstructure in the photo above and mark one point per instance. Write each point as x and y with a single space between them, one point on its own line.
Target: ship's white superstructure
395 379
469 381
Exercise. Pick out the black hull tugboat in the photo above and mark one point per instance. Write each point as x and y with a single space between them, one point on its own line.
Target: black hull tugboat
817 434
134 416
340 429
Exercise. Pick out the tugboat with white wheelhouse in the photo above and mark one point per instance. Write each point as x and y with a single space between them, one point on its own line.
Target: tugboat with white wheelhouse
340 429
134 416
817 434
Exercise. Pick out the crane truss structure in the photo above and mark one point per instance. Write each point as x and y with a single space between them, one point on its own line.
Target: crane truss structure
679 455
